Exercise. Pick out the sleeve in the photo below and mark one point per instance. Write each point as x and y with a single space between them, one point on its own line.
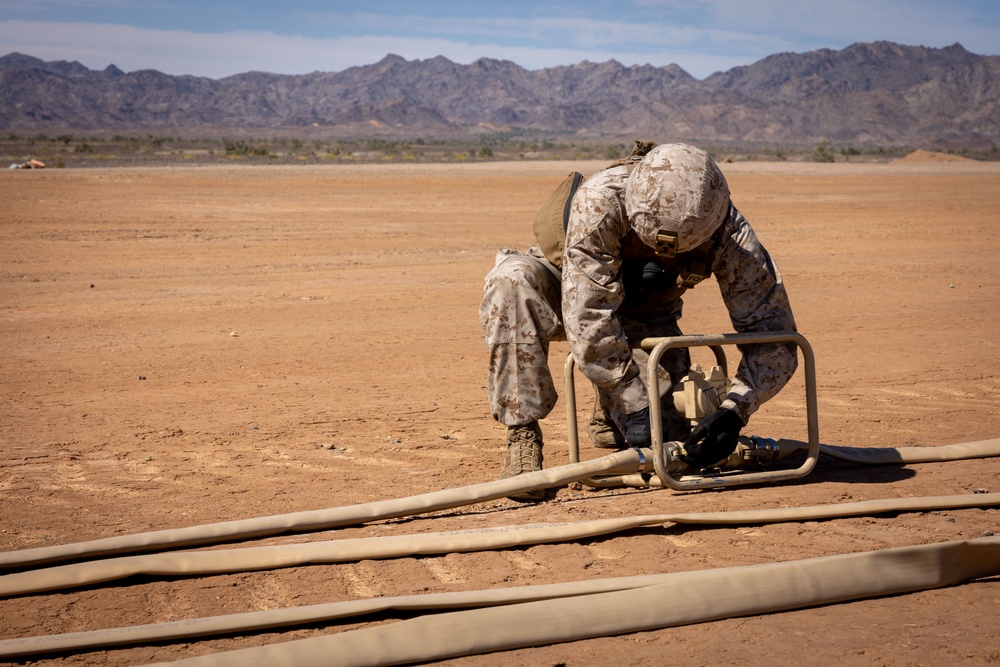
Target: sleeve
755 296
592 291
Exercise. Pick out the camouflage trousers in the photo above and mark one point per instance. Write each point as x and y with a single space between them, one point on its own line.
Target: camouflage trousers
521 314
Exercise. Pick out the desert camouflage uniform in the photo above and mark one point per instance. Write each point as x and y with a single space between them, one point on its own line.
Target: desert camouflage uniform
527 303
520 313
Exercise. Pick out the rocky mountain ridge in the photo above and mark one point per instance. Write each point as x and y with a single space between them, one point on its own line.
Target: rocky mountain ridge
869 93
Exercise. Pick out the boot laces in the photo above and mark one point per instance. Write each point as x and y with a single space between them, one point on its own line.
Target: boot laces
524 451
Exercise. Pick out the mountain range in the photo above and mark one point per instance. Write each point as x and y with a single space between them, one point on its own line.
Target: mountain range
878 93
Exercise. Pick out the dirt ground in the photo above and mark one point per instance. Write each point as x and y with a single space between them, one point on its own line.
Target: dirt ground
185 346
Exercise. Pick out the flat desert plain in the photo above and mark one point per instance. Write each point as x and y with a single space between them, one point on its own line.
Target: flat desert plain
187 346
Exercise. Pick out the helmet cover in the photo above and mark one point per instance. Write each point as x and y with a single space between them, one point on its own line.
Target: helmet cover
676 198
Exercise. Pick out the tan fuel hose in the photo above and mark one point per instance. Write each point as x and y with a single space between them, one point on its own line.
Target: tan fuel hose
385 547
629 460
889 455
396 546
494 538
860 455
684 598
623 462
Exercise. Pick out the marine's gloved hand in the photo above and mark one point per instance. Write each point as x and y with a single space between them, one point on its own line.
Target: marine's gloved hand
637 433
713 439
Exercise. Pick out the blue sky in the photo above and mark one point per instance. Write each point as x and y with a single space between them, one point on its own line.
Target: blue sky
224 37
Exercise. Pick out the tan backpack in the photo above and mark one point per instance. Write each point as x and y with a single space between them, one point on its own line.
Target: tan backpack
553 217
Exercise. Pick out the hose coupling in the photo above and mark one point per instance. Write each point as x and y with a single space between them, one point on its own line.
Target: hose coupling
758 451
667 459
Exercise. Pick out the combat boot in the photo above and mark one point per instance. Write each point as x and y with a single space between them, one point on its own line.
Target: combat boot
524 454
603 432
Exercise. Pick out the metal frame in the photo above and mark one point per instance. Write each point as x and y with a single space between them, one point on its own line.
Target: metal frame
657 347
573 436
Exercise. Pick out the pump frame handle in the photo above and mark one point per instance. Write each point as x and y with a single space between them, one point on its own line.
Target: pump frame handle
657 347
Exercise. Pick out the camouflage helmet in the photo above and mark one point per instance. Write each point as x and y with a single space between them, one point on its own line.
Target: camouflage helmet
676 198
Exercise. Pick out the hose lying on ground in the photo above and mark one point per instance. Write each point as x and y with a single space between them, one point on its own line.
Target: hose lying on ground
405 545
628 460
297 616
860 455
680 599
623 462
186 563
889 455
396 546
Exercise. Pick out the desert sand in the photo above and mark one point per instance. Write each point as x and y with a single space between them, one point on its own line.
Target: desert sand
185 346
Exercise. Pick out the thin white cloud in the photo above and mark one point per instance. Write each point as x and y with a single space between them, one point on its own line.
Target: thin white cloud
577 33
812 24
184 52
223 54
711 36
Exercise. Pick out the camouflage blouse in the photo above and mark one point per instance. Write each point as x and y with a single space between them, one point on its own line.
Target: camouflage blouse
593 290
